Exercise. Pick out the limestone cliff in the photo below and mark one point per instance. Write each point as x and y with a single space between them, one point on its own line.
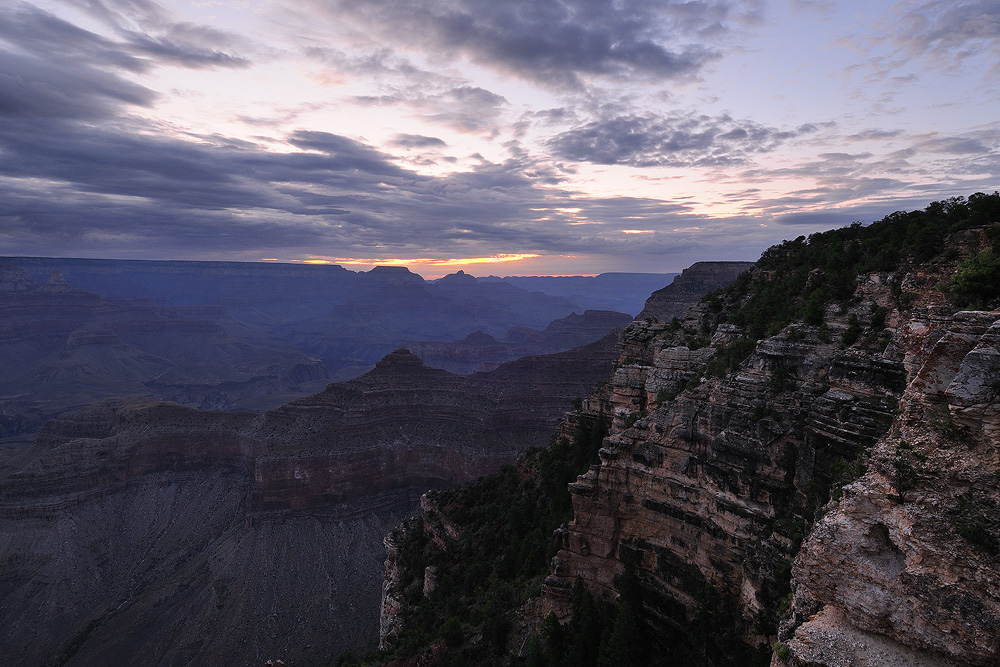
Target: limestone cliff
904 568
701 277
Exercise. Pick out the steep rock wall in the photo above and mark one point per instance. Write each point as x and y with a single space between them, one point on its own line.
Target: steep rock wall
708 479
712 483
910 553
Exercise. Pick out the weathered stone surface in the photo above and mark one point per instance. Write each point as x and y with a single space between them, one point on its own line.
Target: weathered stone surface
718 480
706 485
903 569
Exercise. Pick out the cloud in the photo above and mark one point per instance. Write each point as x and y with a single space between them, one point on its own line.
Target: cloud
31 89
180 46
341 154
949 30
53 69
954 145
463 108
150 31
561 43
874 135
417 141
46 37
677 140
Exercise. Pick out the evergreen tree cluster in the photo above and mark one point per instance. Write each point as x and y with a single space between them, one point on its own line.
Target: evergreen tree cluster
502 556
796 280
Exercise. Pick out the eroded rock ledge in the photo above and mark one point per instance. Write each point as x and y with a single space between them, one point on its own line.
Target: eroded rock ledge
707 479
921 573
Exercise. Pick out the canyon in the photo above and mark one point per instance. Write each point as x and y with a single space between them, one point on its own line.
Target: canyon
144 532
225 335
141 531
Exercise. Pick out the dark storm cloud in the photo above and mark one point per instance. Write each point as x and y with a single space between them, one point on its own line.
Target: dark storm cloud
558 42
680 140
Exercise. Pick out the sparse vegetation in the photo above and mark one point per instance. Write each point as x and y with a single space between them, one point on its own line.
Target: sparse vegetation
972 523
781 650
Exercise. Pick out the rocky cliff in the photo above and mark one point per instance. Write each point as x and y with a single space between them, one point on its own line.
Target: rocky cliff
139 532
802 469
904 568
714 473
695 281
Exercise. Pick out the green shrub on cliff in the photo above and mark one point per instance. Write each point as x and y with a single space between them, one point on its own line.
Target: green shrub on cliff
799 280
976 283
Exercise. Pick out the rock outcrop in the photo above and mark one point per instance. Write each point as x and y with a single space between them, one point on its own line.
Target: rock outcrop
687 288
706 479
908 557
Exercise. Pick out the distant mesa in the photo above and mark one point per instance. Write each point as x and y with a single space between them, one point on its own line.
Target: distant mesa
400 358
394 275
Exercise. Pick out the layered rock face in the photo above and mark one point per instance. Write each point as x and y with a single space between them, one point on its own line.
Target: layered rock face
717 479
907 561
704 479
151 533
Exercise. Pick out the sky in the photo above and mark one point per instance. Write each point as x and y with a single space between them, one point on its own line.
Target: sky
506 137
